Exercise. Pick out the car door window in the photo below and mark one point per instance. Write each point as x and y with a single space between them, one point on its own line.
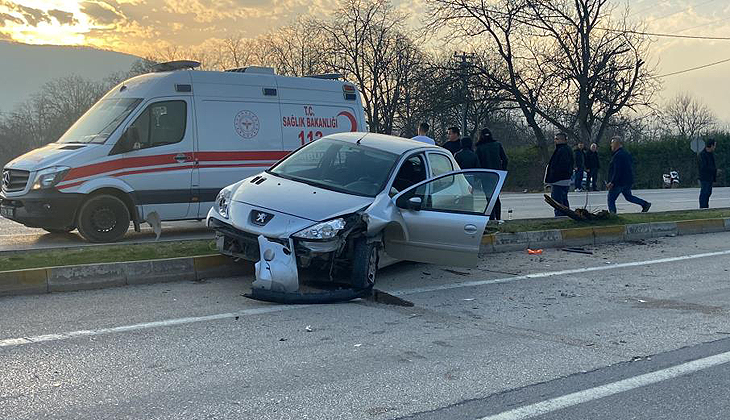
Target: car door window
160 124
411 172
466 192
440 164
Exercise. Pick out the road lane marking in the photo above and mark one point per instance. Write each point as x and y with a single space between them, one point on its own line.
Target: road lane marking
14 342
451 286
581 397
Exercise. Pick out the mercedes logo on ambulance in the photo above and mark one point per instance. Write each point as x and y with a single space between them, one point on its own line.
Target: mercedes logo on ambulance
6 180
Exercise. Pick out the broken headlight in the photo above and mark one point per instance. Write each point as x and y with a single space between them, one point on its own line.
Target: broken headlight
322 231
223 201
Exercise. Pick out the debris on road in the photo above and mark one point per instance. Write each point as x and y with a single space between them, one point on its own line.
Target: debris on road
534 251
308 328
579 214
578 250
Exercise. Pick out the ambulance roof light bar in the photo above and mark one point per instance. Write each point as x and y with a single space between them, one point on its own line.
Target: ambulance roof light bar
175 65
252 69
326 76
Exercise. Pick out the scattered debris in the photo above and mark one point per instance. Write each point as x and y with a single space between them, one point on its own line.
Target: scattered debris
642 301
458 273
469 299
577 250
308 328
426 273
534 251
379 296
358 345
282 339
579 214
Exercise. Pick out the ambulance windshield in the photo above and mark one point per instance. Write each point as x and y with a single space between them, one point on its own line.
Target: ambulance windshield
99 122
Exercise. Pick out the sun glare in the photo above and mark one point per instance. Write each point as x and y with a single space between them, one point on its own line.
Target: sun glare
43 32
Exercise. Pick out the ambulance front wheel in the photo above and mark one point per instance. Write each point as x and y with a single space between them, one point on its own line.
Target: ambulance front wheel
103 218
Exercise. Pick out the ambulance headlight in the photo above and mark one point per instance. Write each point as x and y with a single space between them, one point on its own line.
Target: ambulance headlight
223 202
49 177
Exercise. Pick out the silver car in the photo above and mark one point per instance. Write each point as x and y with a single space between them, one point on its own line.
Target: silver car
342 205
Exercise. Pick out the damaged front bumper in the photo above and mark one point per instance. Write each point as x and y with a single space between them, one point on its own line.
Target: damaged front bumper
277 263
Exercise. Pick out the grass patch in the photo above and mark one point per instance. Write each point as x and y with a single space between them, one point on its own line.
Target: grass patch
105 254
513 226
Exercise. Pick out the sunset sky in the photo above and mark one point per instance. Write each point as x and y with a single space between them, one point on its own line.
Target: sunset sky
140 26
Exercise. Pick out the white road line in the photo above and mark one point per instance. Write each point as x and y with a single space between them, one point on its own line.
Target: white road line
559 403
14 342
557 273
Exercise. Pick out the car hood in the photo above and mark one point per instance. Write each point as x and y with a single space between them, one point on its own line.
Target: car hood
297 198
46 156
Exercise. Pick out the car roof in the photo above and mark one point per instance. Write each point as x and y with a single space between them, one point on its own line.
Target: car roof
392 144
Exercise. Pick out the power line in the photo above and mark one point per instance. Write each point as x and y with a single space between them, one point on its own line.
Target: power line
708 38
696 68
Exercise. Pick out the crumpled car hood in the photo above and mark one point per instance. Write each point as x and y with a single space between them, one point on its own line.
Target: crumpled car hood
296 198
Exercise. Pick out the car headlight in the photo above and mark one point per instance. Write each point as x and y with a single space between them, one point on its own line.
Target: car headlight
49 177
324 230
223 202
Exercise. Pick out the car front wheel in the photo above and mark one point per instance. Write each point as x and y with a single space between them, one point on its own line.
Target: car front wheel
103 218
365 264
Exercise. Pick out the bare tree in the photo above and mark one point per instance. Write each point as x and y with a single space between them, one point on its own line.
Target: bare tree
565 63
687 116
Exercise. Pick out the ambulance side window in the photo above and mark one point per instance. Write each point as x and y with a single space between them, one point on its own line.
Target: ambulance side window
160 124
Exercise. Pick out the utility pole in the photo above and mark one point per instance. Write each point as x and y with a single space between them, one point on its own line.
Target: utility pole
464 65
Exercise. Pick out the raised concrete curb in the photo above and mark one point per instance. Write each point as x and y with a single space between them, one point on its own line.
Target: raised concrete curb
98 276
503 242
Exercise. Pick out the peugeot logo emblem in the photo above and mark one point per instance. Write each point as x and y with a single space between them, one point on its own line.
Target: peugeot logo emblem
260 218
6 179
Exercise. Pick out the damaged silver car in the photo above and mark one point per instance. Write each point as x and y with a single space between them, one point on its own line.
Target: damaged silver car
337 209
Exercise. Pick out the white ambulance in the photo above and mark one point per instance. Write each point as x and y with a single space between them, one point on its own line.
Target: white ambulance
167 142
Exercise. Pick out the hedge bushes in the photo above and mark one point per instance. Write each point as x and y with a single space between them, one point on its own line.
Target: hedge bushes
651 160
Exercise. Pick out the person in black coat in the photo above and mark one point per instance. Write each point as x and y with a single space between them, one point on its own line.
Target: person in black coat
491 156
580 166
708 172
593 164
453 144
466 158
621 177
559 171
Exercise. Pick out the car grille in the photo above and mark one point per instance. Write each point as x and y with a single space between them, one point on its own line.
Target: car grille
15 180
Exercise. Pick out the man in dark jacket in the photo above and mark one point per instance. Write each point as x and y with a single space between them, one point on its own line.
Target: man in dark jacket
466 158
453 144
592 166
621 177
559 170
491 156
708 172
580 165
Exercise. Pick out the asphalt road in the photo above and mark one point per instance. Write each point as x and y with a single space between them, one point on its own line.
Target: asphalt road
14 236
516 335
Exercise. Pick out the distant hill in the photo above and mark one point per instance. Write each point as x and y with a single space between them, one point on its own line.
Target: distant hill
25 68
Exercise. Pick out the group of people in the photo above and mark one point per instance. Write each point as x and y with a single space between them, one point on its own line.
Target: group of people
566 166
488 153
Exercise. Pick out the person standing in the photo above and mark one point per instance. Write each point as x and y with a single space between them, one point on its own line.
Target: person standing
580 166
592 166
621 177
466 158
559 170
422 134
708 172
491 155
454 143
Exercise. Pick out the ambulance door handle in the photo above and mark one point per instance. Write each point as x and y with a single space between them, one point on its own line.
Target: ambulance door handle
182 158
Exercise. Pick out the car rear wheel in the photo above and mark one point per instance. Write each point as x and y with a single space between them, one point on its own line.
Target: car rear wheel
103 218
365 264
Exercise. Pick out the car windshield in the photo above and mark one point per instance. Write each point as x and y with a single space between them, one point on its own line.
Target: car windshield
100 121
339 166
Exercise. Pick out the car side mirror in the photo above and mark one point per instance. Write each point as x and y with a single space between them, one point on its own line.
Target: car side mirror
413 203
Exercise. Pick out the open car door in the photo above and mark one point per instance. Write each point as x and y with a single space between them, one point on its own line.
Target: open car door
442 219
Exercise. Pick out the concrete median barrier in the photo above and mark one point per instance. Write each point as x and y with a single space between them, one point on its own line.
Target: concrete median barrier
23 282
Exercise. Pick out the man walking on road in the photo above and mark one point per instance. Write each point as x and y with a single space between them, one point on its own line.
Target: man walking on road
621 177
559 170
592 166
453 145
491 156
708 172
422 134
580 161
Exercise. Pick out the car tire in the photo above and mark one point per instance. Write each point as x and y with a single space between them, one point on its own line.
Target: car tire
58 231
103 218
365 264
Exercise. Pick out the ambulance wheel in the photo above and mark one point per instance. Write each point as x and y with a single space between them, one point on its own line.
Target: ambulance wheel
103 218
58 231
364 264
